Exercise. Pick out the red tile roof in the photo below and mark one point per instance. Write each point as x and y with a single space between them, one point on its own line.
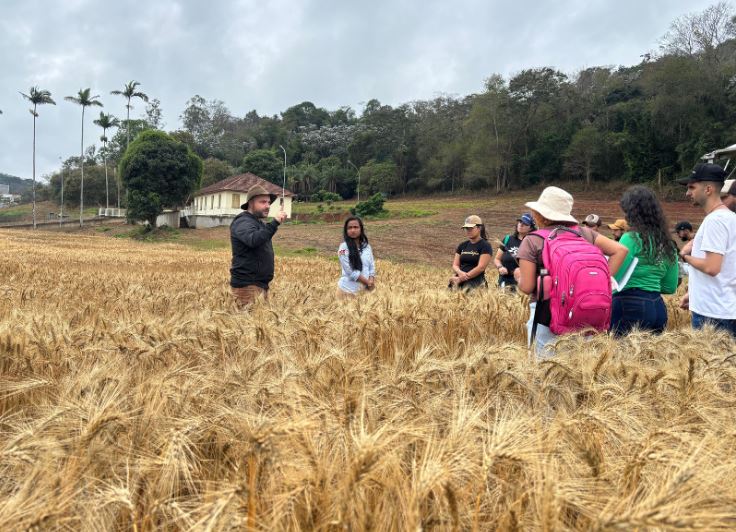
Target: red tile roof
242 183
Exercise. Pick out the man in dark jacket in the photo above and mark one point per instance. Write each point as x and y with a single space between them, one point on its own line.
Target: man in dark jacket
252 266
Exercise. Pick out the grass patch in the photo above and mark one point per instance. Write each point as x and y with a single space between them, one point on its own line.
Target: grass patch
401 213
305 251
208 244
143 233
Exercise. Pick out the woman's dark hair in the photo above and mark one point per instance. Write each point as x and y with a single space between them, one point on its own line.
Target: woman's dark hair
356 263
645 216
532 227
483 234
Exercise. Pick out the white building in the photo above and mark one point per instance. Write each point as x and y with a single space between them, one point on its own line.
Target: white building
220 202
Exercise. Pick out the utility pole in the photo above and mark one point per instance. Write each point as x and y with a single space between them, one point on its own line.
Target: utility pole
357 170
61 207
283 189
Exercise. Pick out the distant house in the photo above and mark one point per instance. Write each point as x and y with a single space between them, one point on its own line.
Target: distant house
7 199
220 202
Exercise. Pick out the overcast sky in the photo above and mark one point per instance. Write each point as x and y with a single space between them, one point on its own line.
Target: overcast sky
270 54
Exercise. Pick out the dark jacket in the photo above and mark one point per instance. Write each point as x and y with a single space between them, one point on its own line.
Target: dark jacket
252 251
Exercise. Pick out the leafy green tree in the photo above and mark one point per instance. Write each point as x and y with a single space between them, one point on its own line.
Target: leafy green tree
129 92
159 172
95 192
582 154
106 121
380 177
441 142
154 114
84 99
211 126
333 175
215 170
183 136
118 143
303 115
303 178
37 97
265 164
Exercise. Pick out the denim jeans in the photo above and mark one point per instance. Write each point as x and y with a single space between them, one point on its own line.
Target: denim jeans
699 321
636 308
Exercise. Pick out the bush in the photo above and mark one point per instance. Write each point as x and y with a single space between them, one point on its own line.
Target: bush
372 206
324 195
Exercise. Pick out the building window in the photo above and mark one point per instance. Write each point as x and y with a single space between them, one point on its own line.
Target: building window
219 201
236 201
212 202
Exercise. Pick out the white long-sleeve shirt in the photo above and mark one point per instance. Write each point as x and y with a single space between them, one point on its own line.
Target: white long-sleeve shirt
349 280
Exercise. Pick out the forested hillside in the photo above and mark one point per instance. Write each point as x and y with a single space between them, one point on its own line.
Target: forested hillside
17 185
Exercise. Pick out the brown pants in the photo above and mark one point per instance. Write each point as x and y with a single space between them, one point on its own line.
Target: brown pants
246 296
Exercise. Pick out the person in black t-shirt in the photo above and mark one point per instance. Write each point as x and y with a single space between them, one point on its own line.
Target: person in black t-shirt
505 259
471 257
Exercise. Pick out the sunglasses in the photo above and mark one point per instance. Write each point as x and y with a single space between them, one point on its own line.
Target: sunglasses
469 228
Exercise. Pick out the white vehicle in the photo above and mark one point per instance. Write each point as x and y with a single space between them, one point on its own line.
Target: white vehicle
727 153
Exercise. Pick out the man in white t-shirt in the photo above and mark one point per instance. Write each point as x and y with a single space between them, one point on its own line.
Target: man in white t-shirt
711 255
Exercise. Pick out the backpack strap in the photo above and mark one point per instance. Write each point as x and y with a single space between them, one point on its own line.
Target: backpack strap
566 229
541 233
552 233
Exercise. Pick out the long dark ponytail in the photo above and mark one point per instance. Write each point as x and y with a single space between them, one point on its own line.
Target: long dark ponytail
356 263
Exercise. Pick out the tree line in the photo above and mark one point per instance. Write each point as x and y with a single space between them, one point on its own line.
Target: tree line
650 121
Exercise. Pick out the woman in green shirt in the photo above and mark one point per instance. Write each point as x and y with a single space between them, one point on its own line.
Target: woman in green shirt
650 268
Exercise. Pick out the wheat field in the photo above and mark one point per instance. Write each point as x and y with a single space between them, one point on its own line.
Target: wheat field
133 396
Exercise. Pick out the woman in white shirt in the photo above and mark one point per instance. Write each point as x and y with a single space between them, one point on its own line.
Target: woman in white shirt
356 259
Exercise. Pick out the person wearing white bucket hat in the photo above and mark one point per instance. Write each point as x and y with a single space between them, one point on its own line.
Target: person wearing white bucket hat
554 209
728 194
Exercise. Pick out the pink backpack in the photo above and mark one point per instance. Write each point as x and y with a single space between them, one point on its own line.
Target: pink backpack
576 280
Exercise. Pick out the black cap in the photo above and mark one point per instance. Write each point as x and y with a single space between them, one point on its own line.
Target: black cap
681 226
704 172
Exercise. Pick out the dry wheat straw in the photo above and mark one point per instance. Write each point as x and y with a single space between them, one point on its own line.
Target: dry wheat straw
134 397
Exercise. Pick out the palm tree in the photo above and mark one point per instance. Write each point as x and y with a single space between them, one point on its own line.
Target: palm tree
84 99
36 97
106 122
129 93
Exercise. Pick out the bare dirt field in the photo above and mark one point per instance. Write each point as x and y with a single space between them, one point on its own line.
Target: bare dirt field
421 230
432 239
